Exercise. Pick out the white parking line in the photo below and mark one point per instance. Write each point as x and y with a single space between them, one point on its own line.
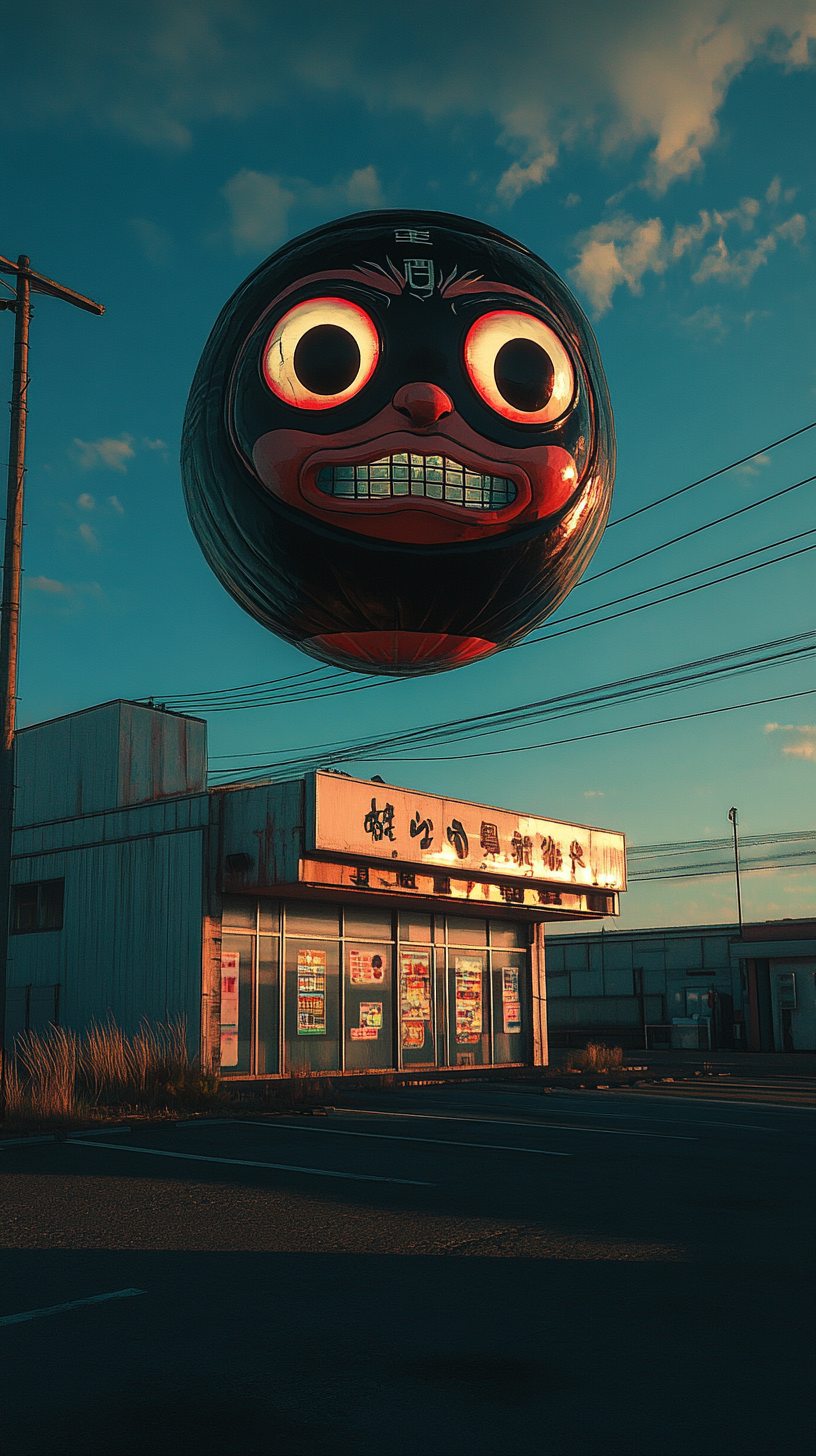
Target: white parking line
394 1138
30 1314
507 1122
248 1163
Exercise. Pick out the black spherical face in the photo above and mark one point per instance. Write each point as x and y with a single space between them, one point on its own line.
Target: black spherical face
398 450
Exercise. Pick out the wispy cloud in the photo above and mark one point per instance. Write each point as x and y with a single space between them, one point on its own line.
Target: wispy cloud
620 250
108 453
46 584
260 203
86 502
804 746
615 76
89 536
114 501
66 598
594 794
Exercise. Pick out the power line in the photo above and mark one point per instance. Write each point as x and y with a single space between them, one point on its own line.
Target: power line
694 846
698 529
609 732
783 650
316 696
317 683
713 476
673 596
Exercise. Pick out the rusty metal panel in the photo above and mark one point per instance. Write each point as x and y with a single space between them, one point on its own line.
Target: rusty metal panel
117 754
131 942
262 835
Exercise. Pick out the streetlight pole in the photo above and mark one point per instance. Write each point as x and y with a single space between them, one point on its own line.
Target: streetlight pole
28 282
733 816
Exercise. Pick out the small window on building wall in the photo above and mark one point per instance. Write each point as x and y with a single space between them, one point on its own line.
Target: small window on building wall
37 906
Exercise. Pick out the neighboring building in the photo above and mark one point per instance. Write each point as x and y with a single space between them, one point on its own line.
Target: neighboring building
323 924
701 987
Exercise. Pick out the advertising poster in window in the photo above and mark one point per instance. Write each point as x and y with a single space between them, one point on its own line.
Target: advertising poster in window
468 979
230 963
511 1005
415 1000
366 969
371 1020
311 993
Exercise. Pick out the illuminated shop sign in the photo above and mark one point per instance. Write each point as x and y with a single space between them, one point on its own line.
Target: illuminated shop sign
373 821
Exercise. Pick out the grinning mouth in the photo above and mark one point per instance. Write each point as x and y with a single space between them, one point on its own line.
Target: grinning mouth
433 476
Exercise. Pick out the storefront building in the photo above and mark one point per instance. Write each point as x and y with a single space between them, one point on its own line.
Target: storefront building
325 924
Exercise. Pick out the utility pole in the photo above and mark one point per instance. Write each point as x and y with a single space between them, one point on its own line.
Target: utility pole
19 304
733 816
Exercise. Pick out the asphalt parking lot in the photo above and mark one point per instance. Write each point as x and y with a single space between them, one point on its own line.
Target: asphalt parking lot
474 1270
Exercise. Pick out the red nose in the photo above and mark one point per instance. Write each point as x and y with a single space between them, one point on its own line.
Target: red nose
424 404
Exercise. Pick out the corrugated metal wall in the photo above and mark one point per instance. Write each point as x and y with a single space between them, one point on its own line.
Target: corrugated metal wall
131 939
117 754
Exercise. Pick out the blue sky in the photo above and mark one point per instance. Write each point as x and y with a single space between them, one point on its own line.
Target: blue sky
657 155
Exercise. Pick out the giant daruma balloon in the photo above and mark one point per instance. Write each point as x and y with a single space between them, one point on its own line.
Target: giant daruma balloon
398 450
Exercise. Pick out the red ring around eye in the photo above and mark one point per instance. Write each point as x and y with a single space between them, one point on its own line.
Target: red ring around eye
519 366
321 353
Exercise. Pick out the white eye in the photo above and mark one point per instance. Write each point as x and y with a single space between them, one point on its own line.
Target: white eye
519 367
321 353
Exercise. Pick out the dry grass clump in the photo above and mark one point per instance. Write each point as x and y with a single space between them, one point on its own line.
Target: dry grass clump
596 1058
56 1076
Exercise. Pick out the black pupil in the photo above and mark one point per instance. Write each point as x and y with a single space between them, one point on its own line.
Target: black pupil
327 359
524 375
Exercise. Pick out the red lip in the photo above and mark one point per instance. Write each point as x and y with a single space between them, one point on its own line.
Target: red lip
287 462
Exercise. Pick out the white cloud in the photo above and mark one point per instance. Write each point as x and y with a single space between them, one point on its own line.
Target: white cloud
621 250
616 252
805 747
114 501
88 535
259 207
260 203
653 72
110 453
86 502
739 267
46 584
594 794
66 598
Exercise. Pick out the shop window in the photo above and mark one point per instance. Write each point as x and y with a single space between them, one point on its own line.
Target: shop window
312 1005
237 977
413 926
416 1006
510 1013
469 1001
303 917
238 913
268 917
508 935
367 1007
37 906
367 924
462 930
